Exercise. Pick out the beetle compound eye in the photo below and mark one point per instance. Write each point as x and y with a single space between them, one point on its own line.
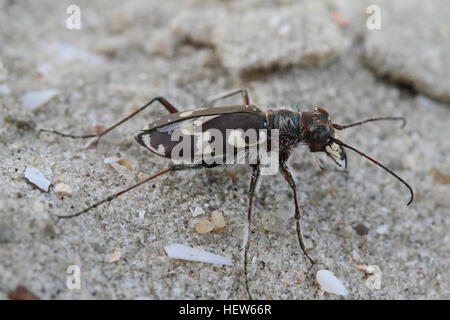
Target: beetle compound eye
319 133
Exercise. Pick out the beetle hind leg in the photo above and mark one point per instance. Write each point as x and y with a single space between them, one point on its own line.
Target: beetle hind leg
161 100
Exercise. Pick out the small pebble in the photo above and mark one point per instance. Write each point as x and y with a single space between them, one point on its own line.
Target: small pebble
198 211
22 293
440 177
204 226
115 256
38 179
98 128
361 229
329 283
382 229
217 220
114 161
63 189
374 280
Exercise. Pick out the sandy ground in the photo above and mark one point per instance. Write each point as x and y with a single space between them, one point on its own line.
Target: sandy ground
301 55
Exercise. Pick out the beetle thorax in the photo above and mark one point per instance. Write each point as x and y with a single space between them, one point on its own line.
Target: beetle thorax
287 122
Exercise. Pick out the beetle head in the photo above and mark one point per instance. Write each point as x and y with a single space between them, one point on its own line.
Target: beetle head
319 136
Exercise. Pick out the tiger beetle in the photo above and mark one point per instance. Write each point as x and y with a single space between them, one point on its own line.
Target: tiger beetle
313 129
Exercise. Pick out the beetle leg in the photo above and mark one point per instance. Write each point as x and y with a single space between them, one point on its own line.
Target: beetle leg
243 92
117 194
161 100
253 182
288 176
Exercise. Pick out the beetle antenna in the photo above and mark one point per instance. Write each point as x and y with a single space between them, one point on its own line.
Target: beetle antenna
340 127
339 142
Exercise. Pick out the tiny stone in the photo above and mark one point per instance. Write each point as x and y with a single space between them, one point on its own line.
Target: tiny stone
198 211
115 256
98 128
383 229
440 177
125 162
217 220
374 281
204 226
141 176
63 189
361 229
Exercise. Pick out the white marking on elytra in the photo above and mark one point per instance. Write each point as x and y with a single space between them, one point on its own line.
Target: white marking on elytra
161 149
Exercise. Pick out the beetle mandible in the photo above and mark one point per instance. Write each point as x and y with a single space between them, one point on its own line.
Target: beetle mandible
314 129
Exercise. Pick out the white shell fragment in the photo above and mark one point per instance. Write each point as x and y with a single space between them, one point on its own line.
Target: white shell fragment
38 179
204 226
180 251
329 283
63 189
374 280
198 211
33 100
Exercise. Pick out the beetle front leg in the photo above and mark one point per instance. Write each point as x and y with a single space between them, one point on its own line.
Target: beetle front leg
243 92
288 176
255 177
